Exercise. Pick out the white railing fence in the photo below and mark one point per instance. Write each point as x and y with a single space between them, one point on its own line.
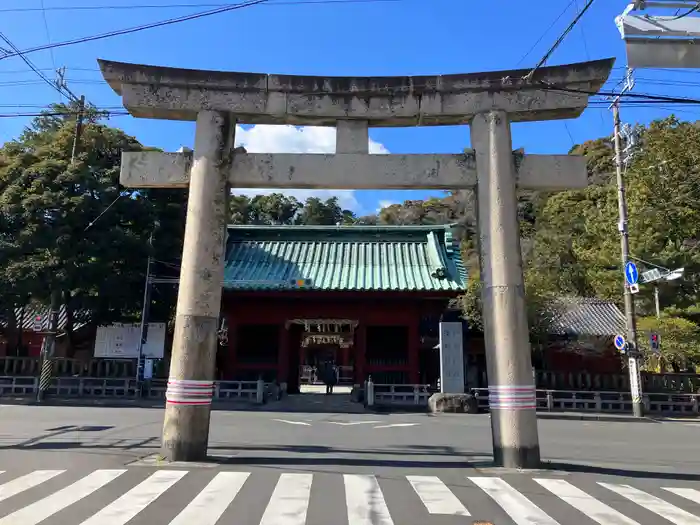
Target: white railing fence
611 402
90 387
384 394
374 394
547 400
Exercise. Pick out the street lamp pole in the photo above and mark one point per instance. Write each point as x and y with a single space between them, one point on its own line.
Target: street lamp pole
654 276
656 300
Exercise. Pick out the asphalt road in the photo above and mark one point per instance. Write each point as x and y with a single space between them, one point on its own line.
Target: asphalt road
96 465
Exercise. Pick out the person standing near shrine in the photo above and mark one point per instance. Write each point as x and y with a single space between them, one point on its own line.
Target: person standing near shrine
330 376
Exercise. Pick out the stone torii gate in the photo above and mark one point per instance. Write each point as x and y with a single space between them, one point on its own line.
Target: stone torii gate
488 102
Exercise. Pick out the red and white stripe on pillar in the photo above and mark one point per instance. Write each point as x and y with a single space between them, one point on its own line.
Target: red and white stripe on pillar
189 392
509 397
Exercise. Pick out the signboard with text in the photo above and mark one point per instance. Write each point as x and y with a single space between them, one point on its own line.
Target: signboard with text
121 341
451 359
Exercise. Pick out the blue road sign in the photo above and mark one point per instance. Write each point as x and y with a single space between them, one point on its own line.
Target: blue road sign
631 273
619 342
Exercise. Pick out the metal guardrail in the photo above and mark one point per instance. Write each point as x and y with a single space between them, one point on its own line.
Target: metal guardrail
93 387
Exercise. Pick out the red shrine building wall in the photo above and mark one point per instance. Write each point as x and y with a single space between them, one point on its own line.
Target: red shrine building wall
368 299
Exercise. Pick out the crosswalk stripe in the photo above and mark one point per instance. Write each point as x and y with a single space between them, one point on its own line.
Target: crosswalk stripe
585 503
366 505
208 506
691 494
521 510
436 496
290 500
50 505
653 504
26 482
365 501
130 504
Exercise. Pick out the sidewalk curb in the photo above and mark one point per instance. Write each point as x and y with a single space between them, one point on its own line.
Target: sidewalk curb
613 418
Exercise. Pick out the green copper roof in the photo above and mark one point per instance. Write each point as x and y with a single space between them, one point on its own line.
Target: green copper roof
343 258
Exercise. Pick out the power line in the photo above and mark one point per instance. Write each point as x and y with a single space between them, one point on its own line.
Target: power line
18 71
189 6
561 38
545 33
107 114
689 12
43 77
647 97
120 32
48 33
28 82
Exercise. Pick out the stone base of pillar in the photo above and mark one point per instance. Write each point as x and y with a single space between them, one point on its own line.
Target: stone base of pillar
516 457
190 388
185 433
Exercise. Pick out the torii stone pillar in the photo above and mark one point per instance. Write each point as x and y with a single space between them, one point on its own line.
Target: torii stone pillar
192 367
488 102
506 334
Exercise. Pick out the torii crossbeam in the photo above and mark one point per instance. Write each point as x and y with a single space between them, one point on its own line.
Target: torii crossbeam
488 102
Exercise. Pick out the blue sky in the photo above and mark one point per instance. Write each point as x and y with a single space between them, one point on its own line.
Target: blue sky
372 38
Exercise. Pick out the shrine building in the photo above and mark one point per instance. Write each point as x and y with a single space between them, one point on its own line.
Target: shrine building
368 298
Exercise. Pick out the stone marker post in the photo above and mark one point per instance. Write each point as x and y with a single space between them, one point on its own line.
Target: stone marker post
191 381
506 335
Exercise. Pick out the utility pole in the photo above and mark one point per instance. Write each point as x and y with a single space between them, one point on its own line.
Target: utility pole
48 349
145 310
632 348
78 128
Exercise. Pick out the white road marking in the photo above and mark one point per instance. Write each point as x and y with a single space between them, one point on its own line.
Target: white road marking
653 504
292 422
209 505
290 500
365 501
585 503
50 505
521 510
26 482
347 424
691 494
436 496
130 504
398 425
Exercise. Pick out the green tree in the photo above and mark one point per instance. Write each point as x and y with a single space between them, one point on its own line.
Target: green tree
71 229
318 212
679 342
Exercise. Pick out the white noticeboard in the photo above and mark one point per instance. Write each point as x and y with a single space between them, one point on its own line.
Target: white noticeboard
451 359
121 341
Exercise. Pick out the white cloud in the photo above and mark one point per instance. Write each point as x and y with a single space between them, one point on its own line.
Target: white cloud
385 204
292 139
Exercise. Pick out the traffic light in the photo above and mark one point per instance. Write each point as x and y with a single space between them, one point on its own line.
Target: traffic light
654 341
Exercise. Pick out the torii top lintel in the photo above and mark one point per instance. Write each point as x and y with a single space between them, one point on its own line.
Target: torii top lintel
557 92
